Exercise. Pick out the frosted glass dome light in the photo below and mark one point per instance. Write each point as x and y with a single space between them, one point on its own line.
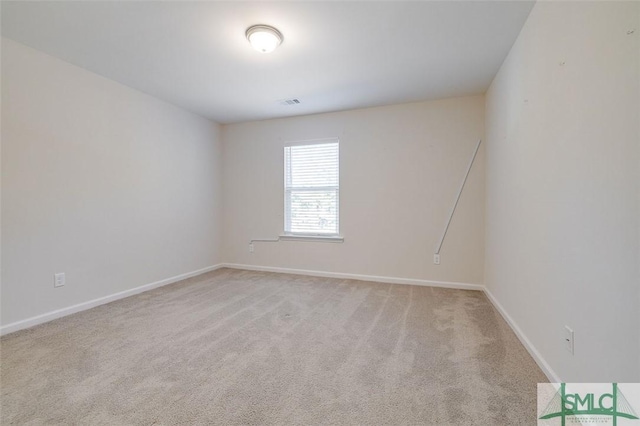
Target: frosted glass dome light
264 38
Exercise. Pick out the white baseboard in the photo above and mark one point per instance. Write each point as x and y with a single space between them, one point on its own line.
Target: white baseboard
49 316
375 278
535 354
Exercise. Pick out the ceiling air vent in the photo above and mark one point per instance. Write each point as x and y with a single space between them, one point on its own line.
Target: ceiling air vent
289 102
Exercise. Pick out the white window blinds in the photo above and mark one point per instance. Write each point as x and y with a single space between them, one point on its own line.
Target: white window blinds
311 188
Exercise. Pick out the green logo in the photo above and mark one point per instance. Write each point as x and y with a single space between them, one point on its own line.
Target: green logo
613 405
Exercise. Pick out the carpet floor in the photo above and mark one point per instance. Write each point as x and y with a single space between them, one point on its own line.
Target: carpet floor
240 347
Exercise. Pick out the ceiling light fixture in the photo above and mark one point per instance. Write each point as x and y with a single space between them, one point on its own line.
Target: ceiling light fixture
264 38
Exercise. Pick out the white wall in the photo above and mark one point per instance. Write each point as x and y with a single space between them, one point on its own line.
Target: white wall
400 169
563 187
113 187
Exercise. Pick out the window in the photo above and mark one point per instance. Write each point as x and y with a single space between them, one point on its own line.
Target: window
311 188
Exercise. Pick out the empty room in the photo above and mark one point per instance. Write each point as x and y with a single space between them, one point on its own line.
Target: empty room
320 213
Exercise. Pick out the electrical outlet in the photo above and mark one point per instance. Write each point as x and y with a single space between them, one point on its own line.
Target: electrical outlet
568 338
59 279
436 259
251 248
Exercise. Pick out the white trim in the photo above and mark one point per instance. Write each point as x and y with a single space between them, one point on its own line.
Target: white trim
535 354
374 278
319 141
312 238
50 316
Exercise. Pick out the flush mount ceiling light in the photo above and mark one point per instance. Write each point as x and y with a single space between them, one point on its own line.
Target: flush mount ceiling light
264 38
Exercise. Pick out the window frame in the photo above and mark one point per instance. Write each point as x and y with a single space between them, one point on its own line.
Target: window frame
288 189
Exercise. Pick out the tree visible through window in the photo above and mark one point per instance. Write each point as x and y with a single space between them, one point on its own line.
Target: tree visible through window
311 187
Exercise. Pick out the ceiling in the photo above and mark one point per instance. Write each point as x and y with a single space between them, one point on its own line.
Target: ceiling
335 55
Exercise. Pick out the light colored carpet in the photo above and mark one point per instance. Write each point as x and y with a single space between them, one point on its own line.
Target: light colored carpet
241 347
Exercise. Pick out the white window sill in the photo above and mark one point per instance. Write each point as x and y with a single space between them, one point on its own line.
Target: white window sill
313 238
